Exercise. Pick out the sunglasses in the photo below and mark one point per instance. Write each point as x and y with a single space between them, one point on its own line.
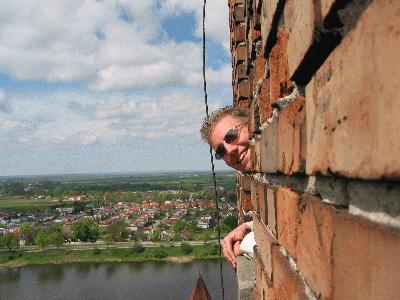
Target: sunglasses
231 135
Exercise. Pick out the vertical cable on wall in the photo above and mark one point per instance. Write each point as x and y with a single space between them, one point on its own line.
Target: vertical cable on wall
211 154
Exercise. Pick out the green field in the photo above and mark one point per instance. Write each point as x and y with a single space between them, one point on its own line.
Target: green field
16 193
21 203
15 259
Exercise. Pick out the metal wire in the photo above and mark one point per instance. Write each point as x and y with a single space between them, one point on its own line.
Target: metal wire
211 154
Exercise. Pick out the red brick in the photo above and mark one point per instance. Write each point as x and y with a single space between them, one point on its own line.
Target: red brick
352 108
265 241
263 283
278 63
255 153
263 202
290 127
258 195
300 22
243 89
286 282
256 293
263 101
259 67
245 201
241 71
240 33
314 245
269 146
271 210
255 195
366 260
254 118
288 218
241 53
267 13
244 182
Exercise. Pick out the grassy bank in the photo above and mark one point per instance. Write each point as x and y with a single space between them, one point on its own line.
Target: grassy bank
175 254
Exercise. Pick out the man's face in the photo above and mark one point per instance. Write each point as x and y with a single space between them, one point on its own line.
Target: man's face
238 151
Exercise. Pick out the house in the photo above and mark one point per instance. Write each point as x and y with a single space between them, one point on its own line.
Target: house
185 234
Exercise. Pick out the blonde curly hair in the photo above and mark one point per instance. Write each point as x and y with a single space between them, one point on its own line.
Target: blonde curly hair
210 122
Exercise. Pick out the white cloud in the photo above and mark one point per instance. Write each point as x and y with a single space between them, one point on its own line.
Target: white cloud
90 41
128 82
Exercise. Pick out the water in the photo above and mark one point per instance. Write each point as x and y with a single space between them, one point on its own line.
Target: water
115 281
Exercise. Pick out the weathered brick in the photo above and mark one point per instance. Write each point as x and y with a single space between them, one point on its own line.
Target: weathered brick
286 282
245 201
314 245
239 13
263 283
243 89
240 33
263 202
290 127
366 263
271 210
255 195
259 67
278 63
269 146
241 72
256 293
300 22
254 118
353 115
268 11
255 154
288 218
263 100
265 241
244 182
241 53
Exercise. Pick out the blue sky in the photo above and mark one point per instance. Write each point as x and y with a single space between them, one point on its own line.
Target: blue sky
108 86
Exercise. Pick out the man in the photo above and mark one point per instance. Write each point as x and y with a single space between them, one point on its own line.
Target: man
226 131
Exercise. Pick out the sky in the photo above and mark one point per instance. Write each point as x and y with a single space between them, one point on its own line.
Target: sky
105 86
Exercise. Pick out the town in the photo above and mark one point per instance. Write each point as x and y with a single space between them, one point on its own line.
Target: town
108 217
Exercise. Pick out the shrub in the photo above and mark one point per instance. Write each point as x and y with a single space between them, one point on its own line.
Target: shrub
137 248
213 249
186 248
160 253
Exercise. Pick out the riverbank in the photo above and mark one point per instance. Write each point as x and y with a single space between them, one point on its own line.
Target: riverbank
173 253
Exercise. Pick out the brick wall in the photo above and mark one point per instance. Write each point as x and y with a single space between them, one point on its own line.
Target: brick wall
322 81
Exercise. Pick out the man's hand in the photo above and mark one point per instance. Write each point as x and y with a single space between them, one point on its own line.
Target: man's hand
231 243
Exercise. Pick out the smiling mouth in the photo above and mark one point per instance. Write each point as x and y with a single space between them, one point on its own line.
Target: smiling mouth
242 156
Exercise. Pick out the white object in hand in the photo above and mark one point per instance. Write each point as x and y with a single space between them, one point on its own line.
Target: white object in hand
247 244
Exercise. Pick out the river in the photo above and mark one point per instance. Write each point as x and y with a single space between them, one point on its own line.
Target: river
147 281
